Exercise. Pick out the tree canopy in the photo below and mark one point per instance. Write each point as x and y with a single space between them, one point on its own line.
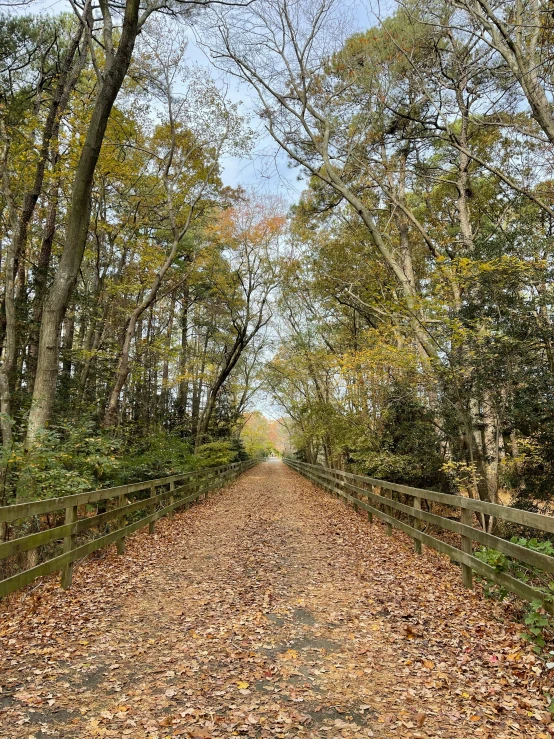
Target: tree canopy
398 315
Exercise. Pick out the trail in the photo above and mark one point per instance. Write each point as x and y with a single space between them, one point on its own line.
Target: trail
271 610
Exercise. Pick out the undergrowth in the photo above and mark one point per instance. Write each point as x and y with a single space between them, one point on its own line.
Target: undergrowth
71 458
538 615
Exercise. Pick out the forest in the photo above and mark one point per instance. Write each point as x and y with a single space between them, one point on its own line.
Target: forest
276 369
396 316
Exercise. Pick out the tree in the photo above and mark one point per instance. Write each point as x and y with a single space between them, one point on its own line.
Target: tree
402 154
196 129
522 36
47 81
111 70
250 234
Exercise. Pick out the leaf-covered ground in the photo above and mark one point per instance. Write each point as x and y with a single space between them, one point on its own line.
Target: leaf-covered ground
272 610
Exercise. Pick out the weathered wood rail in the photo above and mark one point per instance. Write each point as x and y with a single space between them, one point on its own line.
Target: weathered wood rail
382 499
153 499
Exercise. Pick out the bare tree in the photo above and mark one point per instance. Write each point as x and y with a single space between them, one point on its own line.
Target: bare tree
520 33
251 250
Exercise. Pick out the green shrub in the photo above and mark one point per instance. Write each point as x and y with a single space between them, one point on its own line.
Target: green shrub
154 455
539 622
65 460
215 453
72 458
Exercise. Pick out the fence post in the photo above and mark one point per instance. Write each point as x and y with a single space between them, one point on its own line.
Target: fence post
369 488
333 483
417 525
67 572
218 480
388 510
467 573
122 520
337 485
190 486
151 525
356 497
172 497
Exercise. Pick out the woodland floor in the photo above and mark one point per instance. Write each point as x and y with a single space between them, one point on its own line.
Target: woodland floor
271 610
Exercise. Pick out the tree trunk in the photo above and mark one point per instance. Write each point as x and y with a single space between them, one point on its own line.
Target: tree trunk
78 219
197 388
164 399
8 353
123 368
183 391
39 279
65 379
231 360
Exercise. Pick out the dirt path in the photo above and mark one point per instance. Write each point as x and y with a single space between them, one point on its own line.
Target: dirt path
272 610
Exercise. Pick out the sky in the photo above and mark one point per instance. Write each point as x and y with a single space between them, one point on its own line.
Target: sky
265 169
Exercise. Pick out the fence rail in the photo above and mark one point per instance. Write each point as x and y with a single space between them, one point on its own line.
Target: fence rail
383 499
163 497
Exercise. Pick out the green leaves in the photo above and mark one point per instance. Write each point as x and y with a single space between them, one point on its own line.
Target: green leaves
493 558
540 623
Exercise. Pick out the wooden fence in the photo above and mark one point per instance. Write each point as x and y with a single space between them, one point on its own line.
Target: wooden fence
83 529
388 501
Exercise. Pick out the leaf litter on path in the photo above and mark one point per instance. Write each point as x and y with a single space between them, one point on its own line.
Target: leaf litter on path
271 610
